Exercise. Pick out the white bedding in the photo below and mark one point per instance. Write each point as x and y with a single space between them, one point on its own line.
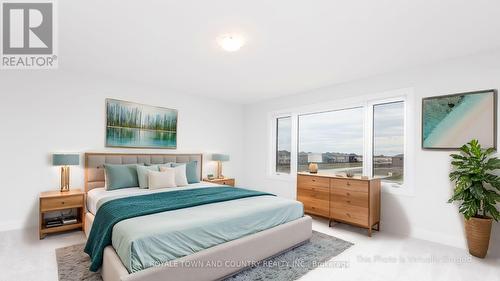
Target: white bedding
96 194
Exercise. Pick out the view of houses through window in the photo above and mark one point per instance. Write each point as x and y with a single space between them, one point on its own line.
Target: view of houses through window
283 144
388 142
335 135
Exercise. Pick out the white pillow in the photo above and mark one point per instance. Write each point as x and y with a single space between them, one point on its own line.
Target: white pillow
161 179
180 174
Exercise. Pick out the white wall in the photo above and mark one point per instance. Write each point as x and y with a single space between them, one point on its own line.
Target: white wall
42 112
425 215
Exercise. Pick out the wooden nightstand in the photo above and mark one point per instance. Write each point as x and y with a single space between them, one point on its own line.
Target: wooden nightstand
51 201
224 181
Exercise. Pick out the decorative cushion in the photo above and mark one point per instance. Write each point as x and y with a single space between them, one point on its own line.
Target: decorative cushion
163 179
191 168
180 174
121 176
142 174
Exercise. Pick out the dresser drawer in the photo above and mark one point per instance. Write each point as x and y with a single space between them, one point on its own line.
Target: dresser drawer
315 206
313 181
349 213
58 203
349 197
350 185
314 193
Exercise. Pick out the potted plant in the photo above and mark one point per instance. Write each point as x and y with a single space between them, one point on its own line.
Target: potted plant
476 189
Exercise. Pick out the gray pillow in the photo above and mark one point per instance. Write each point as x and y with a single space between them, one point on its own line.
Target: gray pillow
121 176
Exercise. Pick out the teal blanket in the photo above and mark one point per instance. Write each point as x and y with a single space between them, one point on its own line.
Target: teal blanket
114 211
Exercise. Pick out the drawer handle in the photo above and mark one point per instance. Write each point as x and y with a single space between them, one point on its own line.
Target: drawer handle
348 183
348 201
347 214
313 180
348 193
62 202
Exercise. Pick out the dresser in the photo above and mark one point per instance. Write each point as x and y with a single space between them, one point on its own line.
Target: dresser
354 201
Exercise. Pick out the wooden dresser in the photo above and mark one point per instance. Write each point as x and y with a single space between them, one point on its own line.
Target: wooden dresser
354 201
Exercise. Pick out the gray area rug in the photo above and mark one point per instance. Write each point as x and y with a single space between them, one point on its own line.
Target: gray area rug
73 263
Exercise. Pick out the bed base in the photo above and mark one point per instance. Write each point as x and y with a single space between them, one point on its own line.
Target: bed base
218 262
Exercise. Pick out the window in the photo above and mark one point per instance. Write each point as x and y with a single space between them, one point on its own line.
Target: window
283 144
388 142
363 136
333 139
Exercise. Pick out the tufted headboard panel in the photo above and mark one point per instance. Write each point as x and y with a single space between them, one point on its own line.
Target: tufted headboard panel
94 164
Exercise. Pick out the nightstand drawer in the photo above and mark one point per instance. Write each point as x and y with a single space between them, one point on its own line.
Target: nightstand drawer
226 182
58 203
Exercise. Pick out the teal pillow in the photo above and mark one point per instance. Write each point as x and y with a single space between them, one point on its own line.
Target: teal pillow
142 174
121 176
191 168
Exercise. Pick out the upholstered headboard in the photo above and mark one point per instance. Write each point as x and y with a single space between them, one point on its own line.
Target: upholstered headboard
94 164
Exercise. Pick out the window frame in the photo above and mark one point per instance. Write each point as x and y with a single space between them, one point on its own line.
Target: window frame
389 187
273 149
366 102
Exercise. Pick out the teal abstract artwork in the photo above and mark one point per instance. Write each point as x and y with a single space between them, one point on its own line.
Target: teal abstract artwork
450 121
140 126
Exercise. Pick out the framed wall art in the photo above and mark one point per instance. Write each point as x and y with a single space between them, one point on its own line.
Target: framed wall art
135 125
450 121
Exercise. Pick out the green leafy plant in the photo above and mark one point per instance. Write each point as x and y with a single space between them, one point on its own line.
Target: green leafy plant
475 185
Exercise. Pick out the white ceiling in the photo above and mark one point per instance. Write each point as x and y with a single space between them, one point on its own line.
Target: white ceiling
292 46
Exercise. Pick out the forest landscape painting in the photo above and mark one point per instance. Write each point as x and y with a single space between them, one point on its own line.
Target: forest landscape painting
450 121
136 125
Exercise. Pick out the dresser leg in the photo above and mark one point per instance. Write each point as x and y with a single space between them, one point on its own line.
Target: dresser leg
370 232
330 223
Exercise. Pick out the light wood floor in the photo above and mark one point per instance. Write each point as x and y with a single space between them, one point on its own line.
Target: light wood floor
383 257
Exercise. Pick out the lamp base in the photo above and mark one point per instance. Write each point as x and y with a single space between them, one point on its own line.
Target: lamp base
64 178
313 168
219 170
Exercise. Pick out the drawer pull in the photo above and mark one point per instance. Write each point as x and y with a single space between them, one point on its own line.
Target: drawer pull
313 180
62 202
347 214
348 193
348 201
348 183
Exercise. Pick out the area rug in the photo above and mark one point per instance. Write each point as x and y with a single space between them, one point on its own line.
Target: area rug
73 263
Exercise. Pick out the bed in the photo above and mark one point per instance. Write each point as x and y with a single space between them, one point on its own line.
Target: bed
206 242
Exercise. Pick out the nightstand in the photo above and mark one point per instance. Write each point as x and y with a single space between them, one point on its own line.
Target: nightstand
224 181
51 201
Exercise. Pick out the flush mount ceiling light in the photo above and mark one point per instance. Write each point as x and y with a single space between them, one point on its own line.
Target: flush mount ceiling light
231 42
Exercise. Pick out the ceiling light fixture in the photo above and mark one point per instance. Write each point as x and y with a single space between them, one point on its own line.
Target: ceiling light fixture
231 42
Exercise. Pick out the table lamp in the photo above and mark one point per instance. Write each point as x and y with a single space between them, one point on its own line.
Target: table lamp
220 158
314 159
65 160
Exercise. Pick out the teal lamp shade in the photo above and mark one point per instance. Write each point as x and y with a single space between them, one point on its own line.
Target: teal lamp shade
220 157
65 159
